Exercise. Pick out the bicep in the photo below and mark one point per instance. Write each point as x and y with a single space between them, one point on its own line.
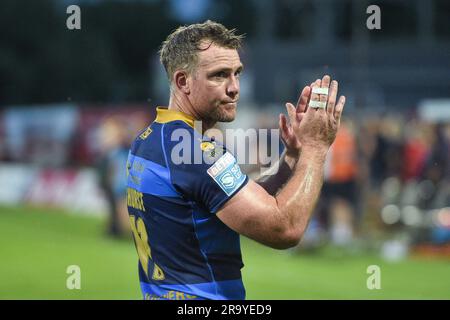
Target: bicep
254 213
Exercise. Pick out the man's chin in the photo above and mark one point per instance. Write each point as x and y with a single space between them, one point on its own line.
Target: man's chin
229 114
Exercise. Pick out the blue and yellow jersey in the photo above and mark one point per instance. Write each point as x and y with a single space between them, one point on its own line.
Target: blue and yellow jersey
185 251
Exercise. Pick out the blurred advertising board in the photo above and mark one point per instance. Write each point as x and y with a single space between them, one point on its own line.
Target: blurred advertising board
64 134
39 134
15 181
70 189
435 110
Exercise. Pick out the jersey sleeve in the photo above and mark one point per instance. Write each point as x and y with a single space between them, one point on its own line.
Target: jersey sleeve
203 171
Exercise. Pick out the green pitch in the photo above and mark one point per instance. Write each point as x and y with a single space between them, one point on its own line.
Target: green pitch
37 246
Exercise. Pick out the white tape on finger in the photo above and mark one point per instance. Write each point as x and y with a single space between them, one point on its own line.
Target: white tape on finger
318 90
317 104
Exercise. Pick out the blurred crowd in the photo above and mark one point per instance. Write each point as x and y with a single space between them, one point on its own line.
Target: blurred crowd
386 173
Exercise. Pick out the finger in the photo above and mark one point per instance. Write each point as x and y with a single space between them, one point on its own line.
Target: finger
310 94
287 133
324 84
339 108
283 124
302 102
315 96
332 97
291 112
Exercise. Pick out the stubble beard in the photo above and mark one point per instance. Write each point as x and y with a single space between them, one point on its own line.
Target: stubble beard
219 114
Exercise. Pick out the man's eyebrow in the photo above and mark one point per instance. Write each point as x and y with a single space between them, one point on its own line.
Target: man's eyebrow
218 69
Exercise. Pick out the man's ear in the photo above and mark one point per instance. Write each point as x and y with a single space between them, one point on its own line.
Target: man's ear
180 79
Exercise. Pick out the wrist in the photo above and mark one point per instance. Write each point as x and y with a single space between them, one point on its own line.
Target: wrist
291 159
318 152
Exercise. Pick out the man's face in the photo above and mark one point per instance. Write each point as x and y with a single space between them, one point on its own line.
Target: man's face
215 84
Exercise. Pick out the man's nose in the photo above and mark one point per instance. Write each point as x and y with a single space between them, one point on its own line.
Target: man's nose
233 86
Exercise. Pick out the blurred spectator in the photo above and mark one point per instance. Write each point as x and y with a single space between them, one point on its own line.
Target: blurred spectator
437 173
415 151
339 193
387 158
437 165
115 140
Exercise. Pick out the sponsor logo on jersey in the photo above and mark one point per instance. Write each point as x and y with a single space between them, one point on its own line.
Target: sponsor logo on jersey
227 174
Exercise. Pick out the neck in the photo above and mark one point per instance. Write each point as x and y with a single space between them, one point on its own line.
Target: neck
181 103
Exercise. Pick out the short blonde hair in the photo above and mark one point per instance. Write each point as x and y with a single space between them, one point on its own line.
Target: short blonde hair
179 50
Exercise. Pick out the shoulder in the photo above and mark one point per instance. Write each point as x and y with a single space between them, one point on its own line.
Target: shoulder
148 144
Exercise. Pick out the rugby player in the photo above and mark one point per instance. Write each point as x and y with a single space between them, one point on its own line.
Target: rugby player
186 216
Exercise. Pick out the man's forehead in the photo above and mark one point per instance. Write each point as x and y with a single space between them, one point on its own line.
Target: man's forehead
215 55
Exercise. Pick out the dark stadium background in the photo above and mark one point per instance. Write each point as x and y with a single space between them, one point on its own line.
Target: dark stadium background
71 100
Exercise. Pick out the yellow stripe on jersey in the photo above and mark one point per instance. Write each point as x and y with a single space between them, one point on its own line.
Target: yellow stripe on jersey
164 115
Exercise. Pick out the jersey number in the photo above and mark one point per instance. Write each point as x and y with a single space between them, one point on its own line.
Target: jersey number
143 248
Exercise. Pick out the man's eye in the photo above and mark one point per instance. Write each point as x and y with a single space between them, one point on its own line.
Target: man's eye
221 74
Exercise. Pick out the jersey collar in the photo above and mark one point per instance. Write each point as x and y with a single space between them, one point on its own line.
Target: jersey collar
164 115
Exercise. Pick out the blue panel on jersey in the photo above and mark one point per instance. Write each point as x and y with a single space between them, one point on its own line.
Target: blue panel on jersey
150 147
225 266
219 244
215 236
221 290
149 177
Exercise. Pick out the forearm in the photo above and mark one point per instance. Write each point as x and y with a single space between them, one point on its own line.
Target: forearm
278 221
275 177
297 199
